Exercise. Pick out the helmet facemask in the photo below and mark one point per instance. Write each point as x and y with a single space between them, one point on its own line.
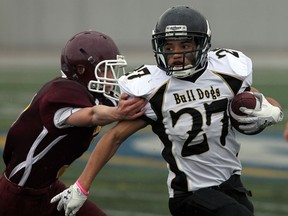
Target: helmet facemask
107 73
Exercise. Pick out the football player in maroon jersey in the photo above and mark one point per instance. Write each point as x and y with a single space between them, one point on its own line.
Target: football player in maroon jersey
59 124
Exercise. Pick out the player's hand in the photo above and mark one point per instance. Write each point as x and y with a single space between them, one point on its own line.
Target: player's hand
130 108
70 199
261 117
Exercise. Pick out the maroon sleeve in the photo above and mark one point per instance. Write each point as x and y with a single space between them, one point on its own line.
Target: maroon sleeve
62 93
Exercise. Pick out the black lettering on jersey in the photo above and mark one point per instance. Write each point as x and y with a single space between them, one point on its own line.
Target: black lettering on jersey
190 95
196 128
183 98
202 93
179 98
215 107
219 106
220 53
142 71
215 93
212 93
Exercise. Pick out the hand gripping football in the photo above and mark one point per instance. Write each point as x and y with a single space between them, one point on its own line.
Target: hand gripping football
243 99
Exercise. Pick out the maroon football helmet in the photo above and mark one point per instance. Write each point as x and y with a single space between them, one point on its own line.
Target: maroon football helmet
92 58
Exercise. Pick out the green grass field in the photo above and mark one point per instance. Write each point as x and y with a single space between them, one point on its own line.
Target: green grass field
137 186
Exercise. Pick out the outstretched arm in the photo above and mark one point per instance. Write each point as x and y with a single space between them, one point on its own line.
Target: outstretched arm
127 109
106 148
74 197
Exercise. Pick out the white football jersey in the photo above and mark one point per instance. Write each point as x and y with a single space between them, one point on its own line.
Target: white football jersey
191 118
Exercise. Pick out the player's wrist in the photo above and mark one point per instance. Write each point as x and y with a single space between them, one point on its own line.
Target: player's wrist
269 110
83 190
277 114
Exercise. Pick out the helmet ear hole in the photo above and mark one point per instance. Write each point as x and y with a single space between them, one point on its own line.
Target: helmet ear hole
80 69
64 68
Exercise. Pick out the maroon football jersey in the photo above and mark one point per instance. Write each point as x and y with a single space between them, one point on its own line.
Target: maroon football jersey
36 151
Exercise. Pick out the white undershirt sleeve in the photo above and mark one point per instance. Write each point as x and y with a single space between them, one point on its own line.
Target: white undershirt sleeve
62 114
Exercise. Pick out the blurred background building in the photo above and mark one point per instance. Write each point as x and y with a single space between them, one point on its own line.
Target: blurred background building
39 28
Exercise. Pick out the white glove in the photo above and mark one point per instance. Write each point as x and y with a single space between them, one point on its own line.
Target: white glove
260 117
70 199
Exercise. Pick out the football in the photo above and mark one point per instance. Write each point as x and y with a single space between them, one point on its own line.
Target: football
243 99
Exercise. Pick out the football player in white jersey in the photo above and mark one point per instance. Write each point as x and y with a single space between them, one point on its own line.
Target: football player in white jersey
189 91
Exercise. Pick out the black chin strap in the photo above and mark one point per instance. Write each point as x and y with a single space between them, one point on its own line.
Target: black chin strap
89 57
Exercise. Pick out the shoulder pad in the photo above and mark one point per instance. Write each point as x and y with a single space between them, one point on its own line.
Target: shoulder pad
143 81
231 62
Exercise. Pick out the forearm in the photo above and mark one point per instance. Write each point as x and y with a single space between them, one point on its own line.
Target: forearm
102 115
106 148
273 102
127 109
101 154
90 116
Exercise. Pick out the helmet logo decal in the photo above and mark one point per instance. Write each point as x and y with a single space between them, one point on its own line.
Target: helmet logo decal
176 30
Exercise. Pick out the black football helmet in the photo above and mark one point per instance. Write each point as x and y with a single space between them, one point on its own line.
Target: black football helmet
89 57
177 23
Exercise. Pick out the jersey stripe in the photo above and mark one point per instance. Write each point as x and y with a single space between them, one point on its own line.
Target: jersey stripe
180 181
30 160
